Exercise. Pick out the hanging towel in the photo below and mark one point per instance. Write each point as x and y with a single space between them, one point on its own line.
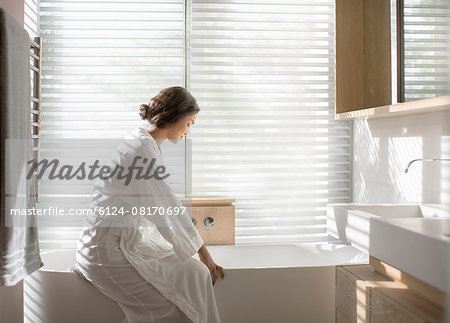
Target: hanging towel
19 249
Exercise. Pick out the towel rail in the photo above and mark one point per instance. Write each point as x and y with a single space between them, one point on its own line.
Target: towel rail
34 56
35 68
36 43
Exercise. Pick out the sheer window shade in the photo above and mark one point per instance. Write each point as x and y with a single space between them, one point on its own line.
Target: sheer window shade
263 73
102 59
426 30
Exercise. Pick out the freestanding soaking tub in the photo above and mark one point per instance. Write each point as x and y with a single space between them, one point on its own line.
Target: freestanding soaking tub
263 283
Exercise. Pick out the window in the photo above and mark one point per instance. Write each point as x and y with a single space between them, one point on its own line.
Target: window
31 17
263 74
426 48
101 60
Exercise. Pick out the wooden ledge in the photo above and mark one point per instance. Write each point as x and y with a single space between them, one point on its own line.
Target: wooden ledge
208 201
440 103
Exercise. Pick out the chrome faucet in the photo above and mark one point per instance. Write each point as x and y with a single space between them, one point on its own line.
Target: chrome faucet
423 160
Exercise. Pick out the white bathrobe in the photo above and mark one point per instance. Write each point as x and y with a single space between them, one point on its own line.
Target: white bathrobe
144 261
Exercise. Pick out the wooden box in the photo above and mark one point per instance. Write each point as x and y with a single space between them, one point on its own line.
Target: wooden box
214 219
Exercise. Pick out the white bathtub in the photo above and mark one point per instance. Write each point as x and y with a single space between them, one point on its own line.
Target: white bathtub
263 283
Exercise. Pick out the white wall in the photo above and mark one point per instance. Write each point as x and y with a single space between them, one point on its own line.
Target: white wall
15 8
383 147
11 303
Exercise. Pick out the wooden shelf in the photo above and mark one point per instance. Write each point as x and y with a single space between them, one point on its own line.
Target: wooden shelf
407 108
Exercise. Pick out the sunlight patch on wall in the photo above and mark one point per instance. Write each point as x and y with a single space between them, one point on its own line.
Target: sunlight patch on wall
406 187
445 171
368 158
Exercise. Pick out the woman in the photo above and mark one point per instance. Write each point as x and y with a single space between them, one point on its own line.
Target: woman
137 247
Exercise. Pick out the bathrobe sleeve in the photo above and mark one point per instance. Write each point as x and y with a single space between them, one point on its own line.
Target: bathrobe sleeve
152 199
176 229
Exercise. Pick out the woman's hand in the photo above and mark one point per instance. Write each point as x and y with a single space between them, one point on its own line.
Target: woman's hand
206 258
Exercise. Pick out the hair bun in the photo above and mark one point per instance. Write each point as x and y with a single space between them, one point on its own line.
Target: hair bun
144 111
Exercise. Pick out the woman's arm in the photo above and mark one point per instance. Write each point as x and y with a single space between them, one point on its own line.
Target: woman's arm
206 258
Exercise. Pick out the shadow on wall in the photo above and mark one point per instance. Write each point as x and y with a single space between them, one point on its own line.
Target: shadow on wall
383 147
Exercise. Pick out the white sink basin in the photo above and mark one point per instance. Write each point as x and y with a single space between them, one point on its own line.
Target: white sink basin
350 223
418 246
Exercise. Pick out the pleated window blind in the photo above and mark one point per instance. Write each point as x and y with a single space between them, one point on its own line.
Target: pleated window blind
263 74
426 30
102 59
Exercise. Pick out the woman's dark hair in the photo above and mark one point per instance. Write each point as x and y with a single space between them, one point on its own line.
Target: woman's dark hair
169 106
